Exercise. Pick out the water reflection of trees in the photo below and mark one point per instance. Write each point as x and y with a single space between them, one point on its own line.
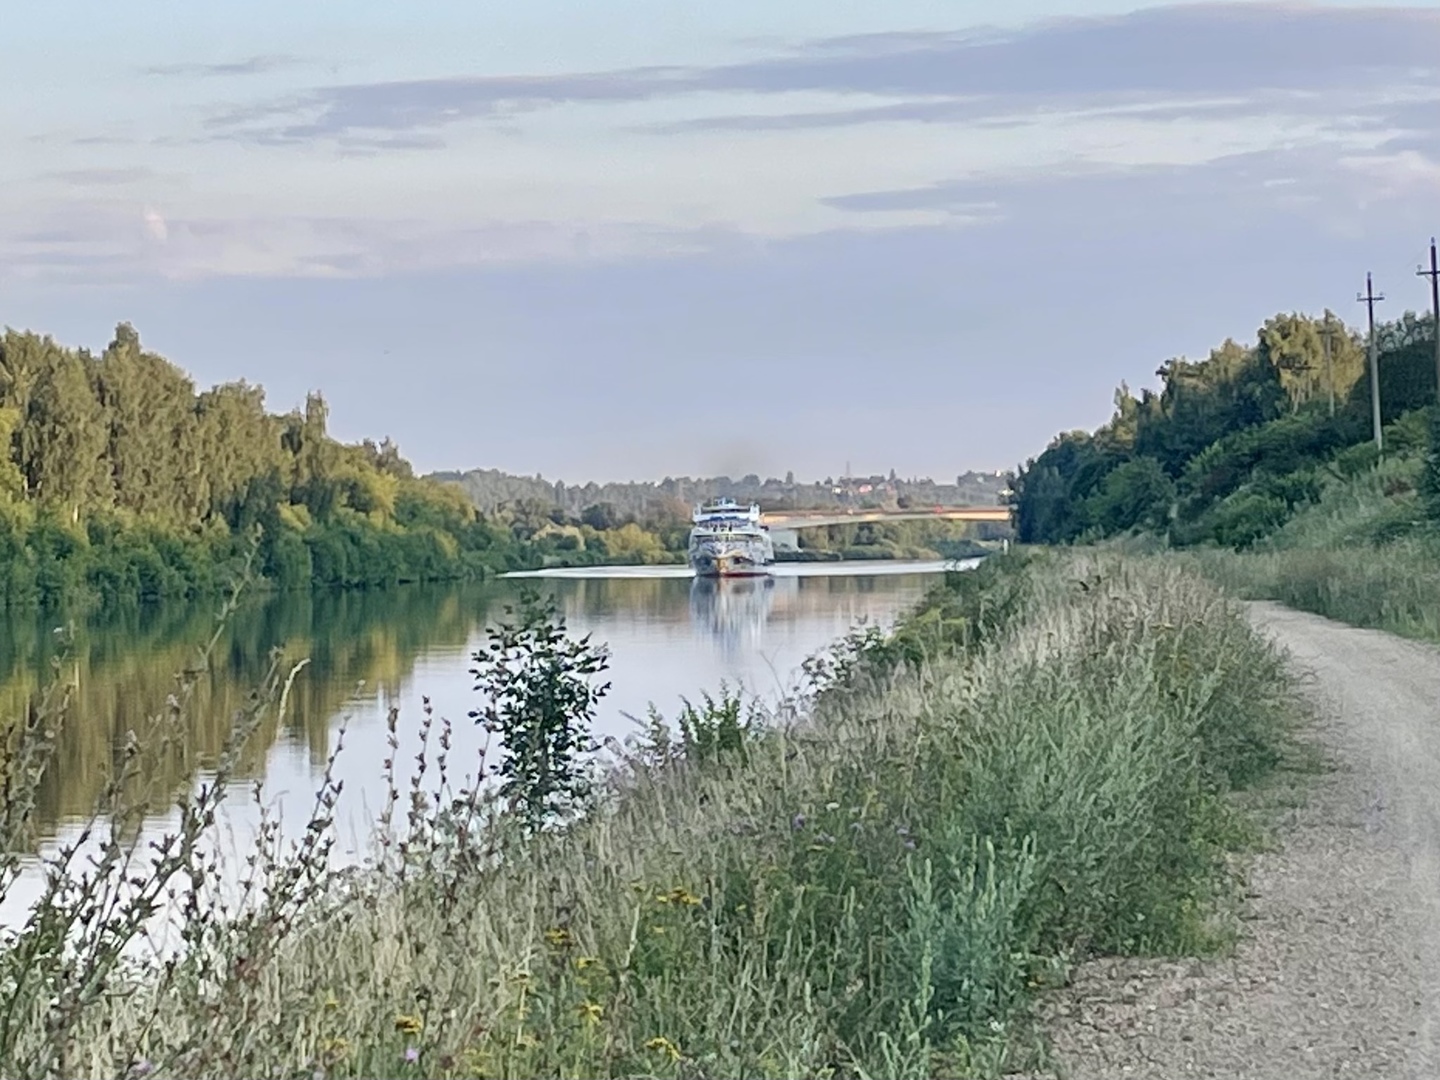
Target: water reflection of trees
641 600
120 669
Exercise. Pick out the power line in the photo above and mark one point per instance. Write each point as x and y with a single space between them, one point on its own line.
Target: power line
1434 275
1369 299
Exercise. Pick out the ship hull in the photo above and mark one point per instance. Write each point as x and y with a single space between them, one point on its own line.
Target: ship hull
721 568
731 560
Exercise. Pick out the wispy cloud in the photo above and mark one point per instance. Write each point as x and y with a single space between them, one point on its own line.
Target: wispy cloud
102 140
1194 53
99 177
428 104
97 235
254 65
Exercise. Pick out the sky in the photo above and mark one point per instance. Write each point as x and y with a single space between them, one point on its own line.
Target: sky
642 239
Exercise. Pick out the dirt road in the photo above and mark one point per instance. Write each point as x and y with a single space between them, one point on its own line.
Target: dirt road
1338 974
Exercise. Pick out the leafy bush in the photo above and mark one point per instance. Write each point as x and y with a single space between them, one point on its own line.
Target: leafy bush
541 702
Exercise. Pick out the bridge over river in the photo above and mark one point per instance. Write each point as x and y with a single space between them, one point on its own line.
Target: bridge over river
784 524
802 519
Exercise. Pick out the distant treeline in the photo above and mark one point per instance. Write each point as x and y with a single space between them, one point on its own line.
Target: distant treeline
493 490
1232 446
602 534
645 522
119 481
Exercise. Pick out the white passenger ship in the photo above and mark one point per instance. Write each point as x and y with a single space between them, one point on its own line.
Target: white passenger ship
728 541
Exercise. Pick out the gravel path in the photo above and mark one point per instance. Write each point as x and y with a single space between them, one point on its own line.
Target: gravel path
1338 971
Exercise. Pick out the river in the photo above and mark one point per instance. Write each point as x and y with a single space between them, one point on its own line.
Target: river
670 637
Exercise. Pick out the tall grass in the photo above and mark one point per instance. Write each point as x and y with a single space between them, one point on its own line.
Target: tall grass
871 884
1364 555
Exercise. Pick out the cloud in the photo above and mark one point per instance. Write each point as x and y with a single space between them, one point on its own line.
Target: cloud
255 65
1310 188
155 225
101 140
1324 188
99 177
1015 111
426 104
1194 53
81 242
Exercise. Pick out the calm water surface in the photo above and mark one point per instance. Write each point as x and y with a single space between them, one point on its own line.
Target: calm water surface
670 636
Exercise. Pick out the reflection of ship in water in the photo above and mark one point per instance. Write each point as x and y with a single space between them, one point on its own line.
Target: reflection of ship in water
734 610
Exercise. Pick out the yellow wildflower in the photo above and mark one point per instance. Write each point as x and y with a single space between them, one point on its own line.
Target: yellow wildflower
331 1001
410 1025
559 937
585 962
662 1045
590 1012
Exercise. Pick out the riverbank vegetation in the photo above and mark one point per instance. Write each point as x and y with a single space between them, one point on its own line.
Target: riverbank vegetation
872 880
1239 461
1367 552
120 481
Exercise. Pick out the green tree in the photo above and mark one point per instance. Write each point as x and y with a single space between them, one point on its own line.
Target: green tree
1137 494
1294 345
151 450
64 437
540 700
601 516
12 480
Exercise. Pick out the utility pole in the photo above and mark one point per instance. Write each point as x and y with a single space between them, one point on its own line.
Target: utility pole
1327 332
1369 299
1434 275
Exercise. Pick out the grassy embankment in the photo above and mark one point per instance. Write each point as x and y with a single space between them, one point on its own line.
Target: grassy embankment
1034 769
1364 554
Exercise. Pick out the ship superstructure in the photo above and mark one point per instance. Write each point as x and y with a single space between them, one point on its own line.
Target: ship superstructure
729 540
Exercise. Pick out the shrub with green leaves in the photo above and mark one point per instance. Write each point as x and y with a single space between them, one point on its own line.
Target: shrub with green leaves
541 699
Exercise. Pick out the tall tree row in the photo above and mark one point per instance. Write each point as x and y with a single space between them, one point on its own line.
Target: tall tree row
1228 446
116 476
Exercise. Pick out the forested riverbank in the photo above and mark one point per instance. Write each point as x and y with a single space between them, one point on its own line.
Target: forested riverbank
121 482
1240 462
875 879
